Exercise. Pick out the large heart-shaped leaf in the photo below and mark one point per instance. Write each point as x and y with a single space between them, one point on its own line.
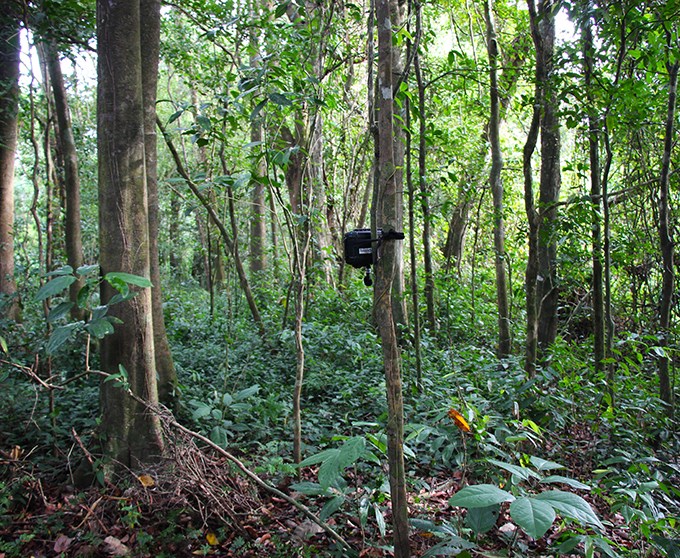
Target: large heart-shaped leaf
480 496
532 515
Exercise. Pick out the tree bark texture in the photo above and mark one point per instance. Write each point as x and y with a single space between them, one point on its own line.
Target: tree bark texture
131 435
9 105
666 240
496 183
389 216
543 22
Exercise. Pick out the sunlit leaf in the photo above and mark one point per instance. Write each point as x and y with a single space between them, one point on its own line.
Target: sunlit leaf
459 420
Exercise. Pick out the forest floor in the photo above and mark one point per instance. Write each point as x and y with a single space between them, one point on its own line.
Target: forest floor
197 504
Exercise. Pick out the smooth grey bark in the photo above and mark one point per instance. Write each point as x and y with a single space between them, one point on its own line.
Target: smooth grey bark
150 31
130 434
9 105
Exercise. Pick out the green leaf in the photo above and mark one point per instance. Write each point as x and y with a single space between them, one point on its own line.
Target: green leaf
571 506
218 435
116 278
380 519
455 546
59 311
330 507
532 515
202 410
566 480
280 99
64 270
310 488
482 520
54 287
544 464
244 393
480 496
281 9
84 270
520 472
345 456
60 335
3 345
318 457
99 328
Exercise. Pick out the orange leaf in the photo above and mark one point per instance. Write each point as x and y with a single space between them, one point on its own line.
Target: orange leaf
459 420
146 480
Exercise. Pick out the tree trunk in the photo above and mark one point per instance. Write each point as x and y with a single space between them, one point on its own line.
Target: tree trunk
131 435
9 105
595 201
69 155
504 340
550 176
424 190
388 216
666 241
150 31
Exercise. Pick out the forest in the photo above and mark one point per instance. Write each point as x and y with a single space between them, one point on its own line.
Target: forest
332 278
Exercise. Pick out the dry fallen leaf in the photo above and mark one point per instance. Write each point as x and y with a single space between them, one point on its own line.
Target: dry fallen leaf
115 548
62 543
146 480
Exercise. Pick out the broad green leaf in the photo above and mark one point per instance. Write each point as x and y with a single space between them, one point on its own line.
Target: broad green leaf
532 515
520 472
64 270
310 488
117 277
544 464
454 546
482 520
60 335
59 311
566 480
318 457
218 435
280 99
330 507
54 287
346 454
571 506
480 496
84 270
244 393
202 410
99 328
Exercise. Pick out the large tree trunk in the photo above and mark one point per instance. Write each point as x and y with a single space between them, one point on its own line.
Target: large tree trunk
389 216
666 240
9 106
69 157
496 183
150 31
130 432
